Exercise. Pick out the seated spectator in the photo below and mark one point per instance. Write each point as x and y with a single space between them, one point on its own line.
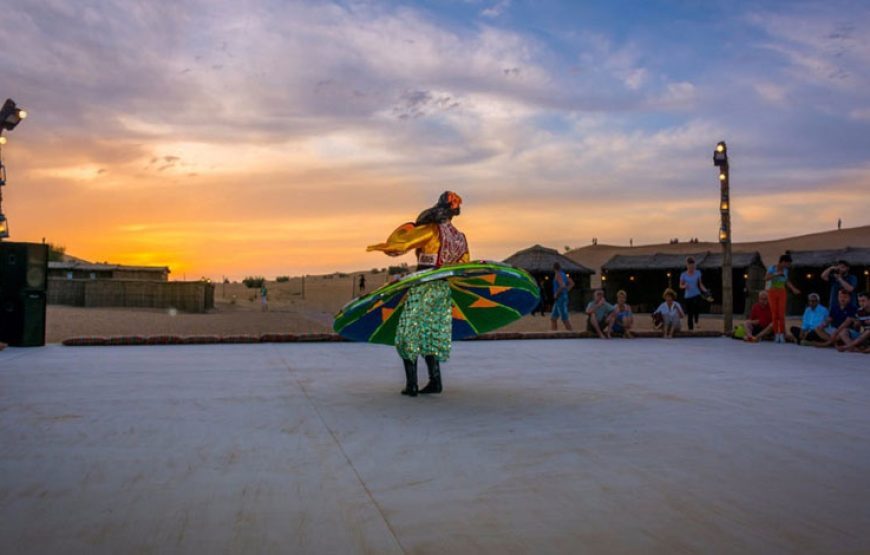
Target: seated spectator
621 318
597 311
814 321
672 314
857 337
760 321
839 318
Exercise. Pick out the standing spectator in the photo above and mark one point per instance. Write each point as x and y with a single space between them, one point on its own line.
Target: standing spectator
760 321
839 318
671 312
597 312
621 318
542 303
264 298
859 333
813 323
777 281
839 277
562 283
362 284
692 286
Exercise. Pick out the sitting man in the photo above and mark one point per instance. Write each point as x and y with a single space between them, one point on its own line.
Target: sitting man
813 323
597 311
760 321
857 336
839 318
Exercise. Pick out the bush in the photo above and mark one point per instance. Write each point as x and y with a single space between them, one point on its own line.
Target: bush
282 279
254 282
401 269
56 252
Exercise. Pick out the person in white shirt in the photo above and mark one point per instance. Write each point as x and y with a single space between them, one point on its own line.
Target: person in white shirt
672 314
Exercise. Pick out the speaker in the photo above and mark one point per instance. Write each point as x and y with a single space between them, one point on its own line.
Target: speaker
23 285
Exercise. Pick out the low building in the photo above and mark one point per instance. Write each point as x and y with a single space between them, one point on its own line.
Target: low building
89 270
86 284
644 278
539 260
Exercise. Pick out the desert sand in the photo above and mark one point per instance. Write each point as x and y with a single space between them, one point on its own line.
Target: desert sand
308 304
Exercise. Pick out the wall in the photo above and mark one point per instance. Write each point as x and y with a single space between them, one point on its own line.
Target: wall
187 296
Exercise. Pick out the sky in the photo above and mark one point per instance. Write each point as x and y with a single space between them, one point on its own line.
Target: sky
235 138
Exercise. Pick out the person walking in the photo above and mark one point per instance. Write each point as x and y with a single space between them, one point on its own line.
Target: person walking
693 287
362 284
777 281
562 283
264 298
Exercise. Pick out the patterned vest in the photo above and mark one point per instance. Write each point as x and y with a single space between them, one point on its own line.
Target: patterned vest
453 247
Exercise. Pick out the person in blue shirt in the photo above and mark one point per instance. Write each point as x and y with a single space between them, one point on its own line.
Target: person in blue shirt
840 317
562 283
839 277
814 321
693 287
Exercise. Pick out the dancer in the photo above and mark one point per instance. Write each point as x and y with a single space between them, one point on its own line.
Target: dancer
425 324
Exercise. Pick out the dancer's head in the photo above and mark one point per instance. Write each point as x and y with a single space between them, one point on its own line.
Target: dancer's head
447 207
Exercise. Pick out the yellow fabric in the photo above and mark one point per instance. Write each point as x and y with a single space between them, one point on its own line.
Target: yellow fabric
408 236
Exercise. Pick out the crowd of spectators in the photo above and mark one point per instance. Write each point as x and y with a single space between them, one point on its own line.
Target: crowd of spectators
844 324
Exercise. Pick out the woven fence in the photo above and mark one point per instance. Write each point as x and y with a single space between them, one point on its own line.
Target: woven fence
187 296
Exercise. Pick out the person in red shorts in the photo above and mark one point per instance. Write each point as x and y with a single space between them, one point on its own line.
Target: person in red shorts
760 321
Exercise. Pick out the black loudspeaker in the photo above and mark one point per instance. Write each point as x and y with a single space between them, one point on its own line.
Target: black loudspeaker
23 284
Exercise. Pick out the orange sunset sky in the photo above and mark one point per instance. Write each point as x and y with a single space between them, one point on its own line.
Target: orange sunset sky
263 138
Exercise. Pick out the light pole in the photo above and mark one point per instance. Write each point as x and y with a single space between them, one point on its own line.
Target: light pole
10 116
720 160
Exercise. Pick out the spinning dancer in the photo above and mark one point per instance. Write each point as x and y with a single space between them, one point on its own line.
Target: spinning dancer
425 324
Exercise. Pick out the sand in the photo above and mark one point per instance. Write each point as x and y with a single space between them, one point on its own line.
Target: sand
308 304
238 311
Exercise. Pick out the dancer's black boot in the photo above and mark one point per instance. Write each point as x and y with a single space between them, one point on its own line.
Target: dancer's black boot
410 378
434 385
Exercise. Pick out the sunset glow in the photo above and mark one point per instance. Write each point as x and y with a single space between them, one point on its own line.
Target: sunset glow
281 139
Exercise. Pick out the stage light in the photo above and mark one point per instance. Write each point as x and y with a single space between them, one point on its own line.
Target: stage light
4 227
722 177
720 155
2 140
11 115
723 235
724 205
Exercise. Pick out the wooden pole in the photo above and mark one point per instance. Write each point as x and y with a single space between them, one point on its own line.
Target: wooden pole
725 239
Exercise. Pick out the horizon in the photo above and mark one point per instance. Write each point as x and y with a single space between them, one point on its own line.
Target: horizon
283 139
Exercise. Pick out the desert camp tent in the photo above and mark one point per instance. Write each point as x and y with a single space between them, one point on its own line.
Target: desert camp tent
807 267
538 261
645 277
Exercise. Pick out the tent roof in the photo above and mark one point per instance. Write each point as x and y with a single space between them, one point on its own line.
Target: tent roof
541 259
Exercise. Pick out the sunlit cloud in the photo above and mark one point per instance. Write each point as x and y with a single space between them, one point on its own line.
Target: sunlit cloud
281 138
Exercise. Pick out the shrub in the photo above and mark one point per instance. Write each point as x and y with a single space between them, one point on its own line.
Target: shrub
282 279
254 282
400 269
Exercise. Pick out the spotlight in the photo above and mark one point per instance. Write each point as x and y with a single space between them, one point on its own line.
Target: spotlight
2 140
724 205
722 177
720 155
4 227
723 235
11 115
